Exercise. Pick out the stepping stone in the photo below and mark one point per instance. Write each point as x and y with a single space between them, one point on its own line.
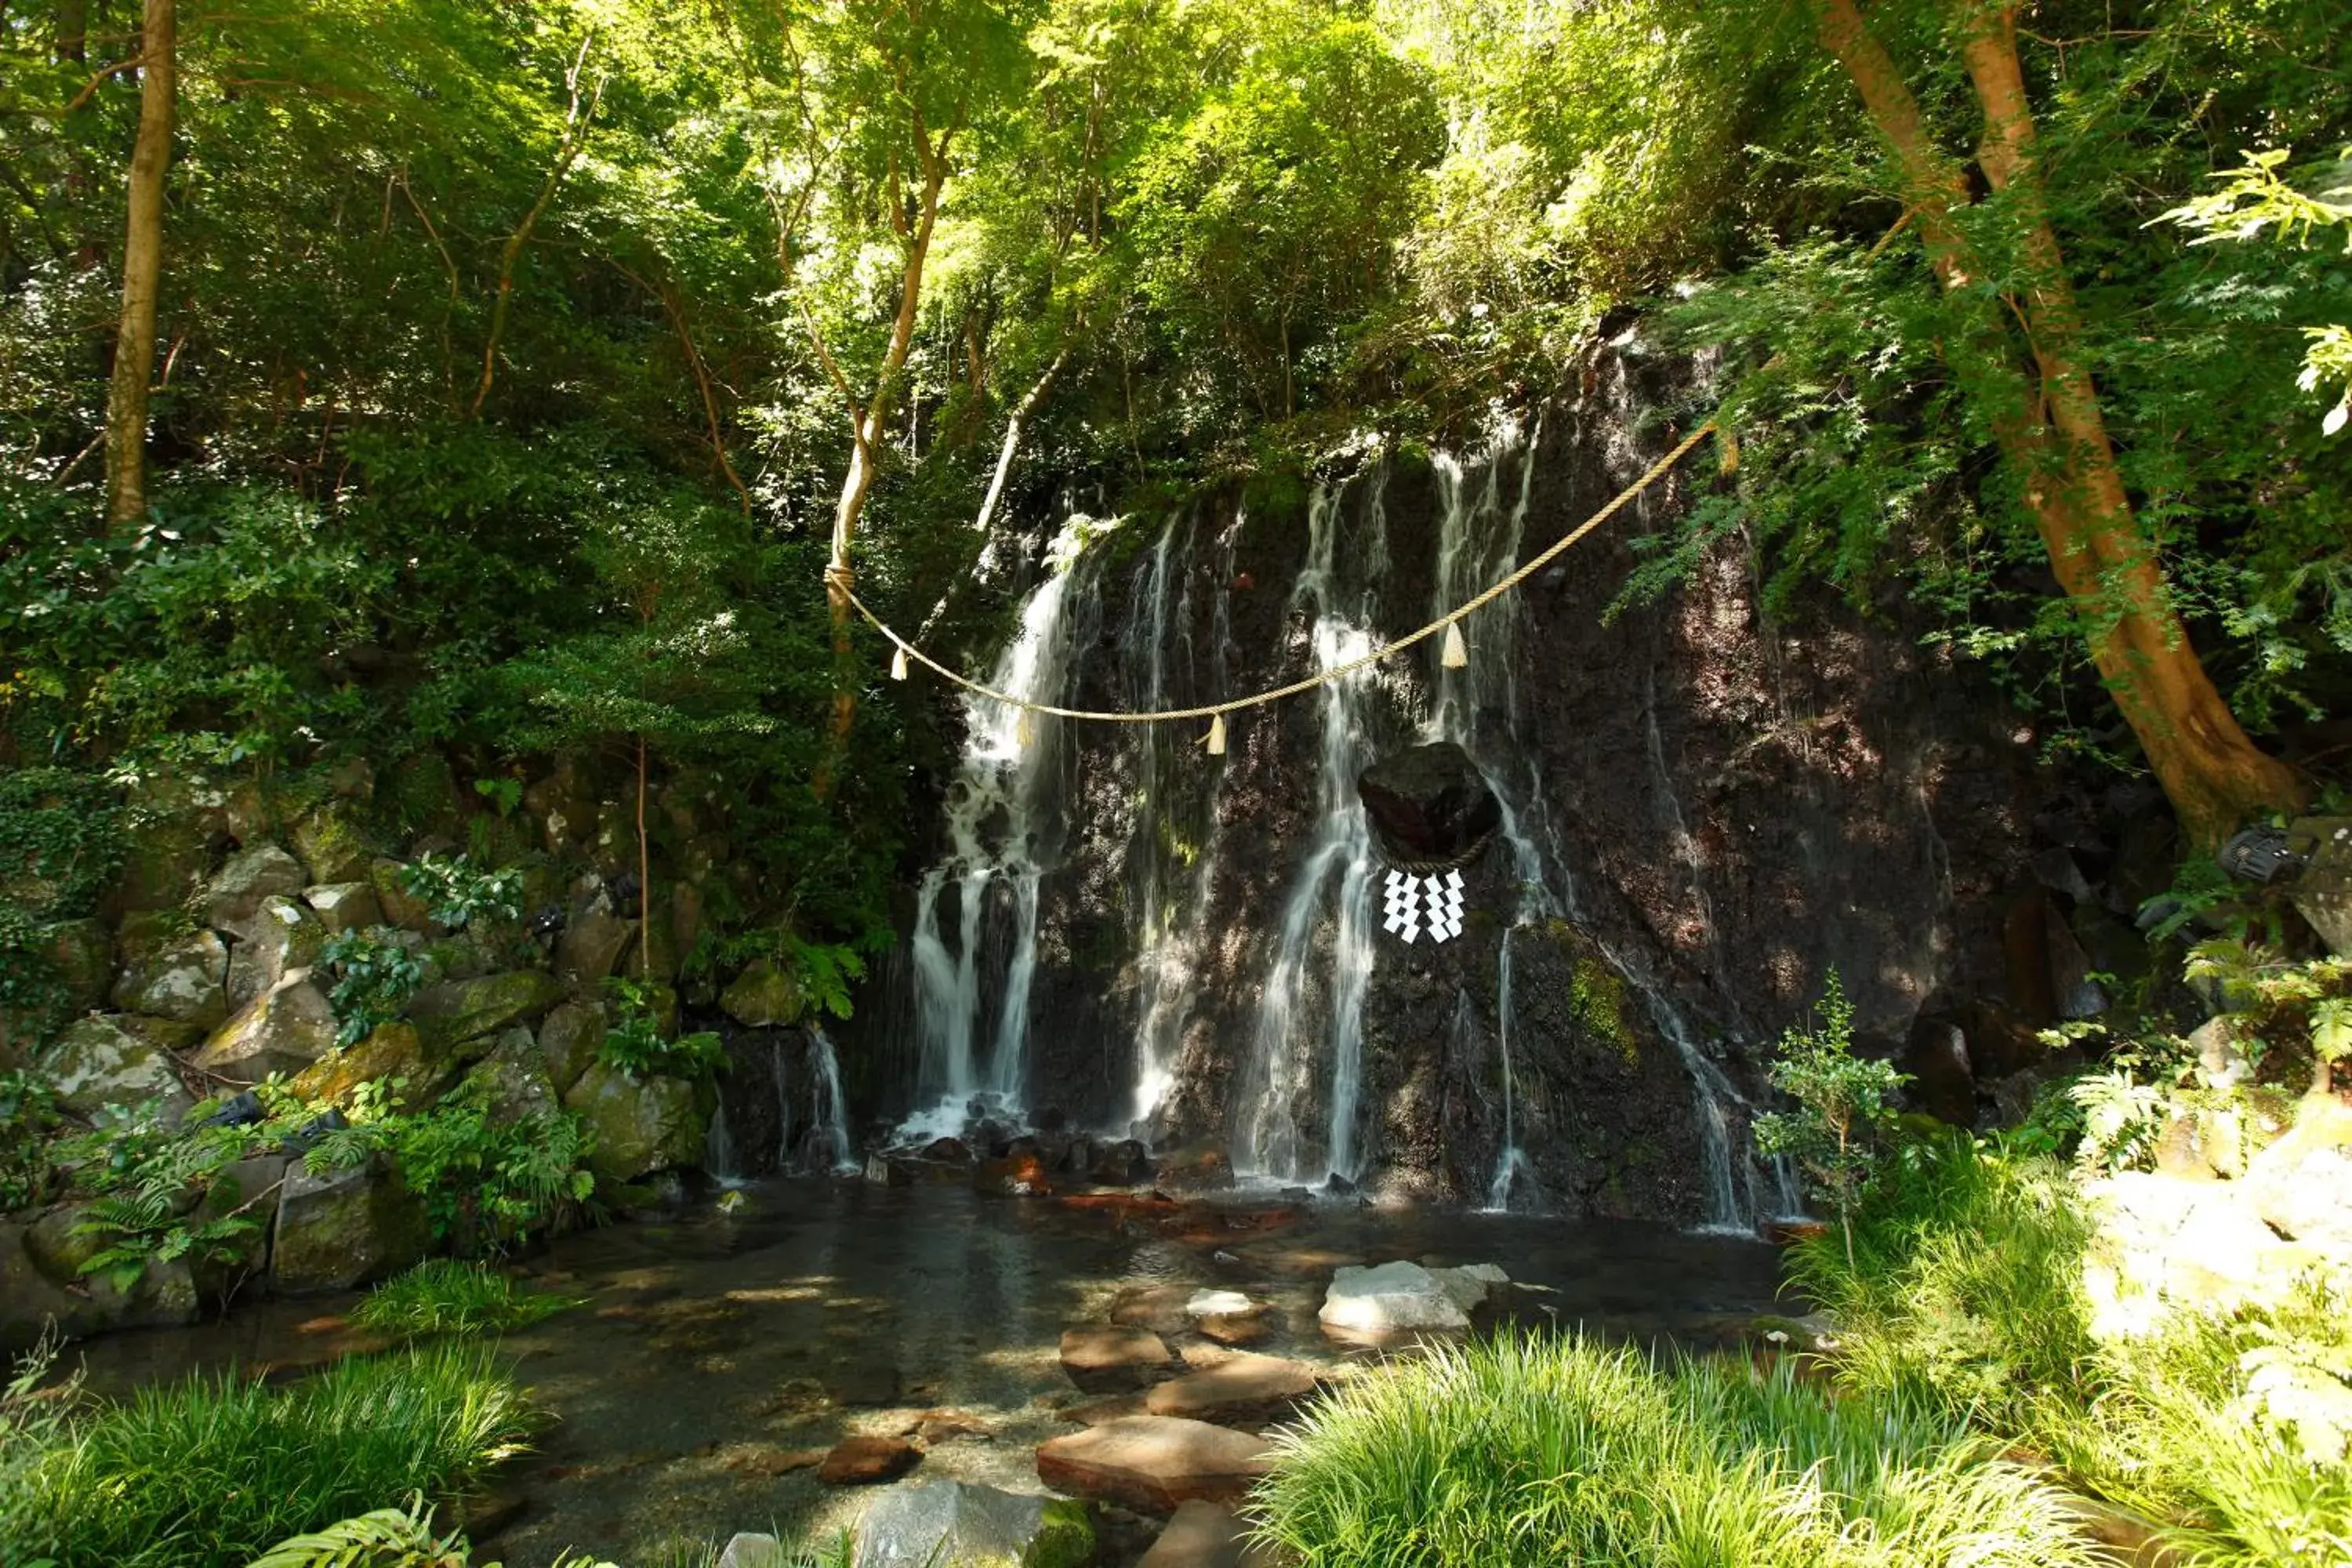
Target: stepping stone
1106 1358
1243 1390
865 1461
1095 1412
1400 1296
1154 1464
1203 1535
1160 1308
1221 1304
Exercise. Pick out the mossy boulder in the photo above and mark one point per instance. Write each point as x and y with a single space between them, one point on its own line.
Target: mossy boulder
83 955
284 1030
763 996
459 1010
513 1079
345 906
329 842
172 971
401 908
97 1063
569 1041
284 935
342 1229
163 864
233 902
391 1051
641 1126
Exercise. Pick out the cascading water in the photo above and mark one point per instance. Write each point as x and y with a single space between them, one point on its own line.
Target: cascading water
1002 839
1511 1166
829 1145
1272 1134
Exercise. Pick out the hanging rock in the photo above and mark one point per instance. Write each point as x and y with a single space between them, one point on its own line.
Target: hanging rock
183 977
1244 1390
1108 1358
285 935
345 906
284 1030
763 996
1154 1464
655 1125
1429 802
342 1230
97 1063
569 1040
954 1524
235 896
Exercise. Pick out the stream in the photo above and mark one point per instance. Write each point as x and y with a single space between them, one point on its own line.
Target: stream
715 1350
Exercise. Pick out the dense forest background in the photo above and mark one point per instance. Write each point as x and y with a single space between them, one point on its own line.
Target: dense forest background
516 363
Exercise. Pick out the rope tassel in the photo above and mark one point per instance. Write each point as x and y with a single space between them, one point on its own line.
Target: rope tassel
899 663
1215 741
1458 652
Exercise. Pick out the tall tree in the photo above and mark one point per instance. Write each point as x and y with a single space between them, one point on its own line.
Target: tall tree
142 268
2043 409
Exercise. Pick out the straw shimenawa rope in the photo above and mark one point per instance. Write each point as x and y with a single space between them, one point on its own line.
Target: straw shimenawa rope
837 577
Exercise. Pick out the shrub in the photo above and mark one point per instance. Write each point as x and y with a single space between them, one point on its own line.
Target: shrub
1555 1449
374 979
634 1044
216 1469
444 1296
1842 1112
457 894
28 1113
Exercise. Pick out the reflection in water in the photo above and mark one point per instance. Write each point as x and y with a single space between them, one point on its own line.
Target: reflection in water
714 1349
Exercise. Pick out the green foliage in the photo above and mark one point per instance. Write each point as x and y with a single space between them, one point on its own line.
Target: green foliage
215 1470
1843 1115
28 1113
444 1296
142 1226
62 840
634 1042
456 894
488 1186
148 1181
1552 1449
374 978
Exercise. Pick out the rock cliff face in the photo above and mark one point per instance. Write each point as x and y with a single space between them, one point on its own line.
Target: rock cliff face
1703 813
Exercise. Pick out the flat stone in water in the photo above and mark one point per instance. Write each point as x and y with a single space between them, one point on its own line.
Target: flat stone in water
1103 1358
1154 1464
1243 1390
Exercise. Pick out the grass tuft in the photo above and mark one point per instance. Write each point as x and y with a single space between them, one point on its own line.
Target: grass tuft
444 1296
1549 1450
212 1471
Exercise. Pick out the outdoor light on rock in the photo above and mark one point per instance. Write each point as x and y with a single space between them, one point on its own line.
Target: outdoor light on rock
1432 814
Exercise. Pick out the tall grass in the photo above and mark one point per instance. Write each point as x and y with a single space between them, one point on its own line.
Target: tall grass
1967 1298
1555 1450
211 1472
446 1296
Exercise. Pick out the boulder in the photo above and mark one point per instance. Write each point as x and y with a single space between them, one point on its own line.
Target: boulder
745 1550
391 1051
1393 1298
98 1063
251 876
83 955
868 1461
1219 1304
2301 1186
41 1288
1244 1390
346 906
1155 1464
591 944
2323 891
513 1078
1429 802
459 1010
401 908
342 1229
284 1030
284 935
1106 1358
2165 1245
1203 1535
249 1189
954 1524
1162 1308
163 864
331 843
183 977
763 996
569 1040
640 1127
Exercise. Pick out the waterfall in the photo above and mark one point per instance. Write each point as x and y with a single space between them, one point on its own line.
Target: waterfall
783 1099
1173 849
829 1145
1001 838
719 1156
1511 1164
1271 1138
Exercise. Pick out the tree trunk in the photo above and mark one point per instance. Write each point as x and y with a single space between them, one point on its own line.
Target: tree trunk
1012 428
143 267
2210 769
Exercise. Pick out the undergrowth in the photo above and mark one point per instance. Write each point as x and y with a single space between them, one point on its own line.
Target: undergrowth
446 1296
1549 1450
216 1470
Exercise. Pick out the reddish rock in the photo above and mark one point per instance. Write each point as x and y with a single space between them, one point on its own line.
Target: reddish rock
767 1459
1160 1308
1095 1412
1235 1330
1014 1176
1104 1358
865 1461
1243 1390
1203 1535
1154 1464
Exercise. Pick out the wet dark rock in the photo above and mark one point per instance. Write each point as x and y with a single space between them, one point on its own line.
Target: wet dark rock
1429 802
1942 1084
953 1151
1124 1163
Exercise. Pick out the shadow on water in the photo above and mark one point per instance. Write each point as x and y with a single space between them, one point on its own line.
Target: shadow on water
715 1350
